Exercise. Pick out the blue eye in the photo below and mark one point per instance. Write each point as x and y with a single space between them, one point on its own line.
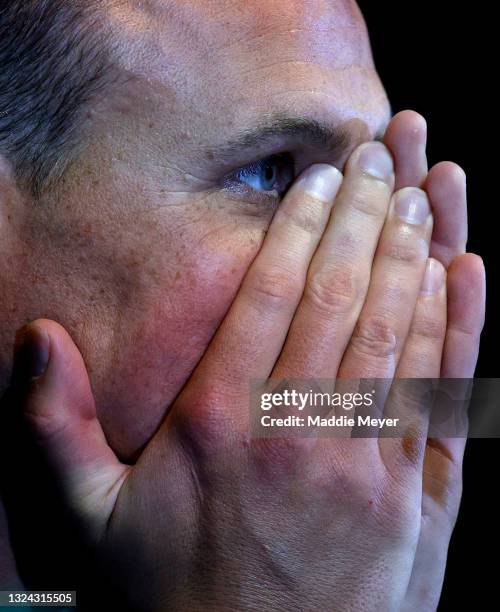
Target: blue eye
272 175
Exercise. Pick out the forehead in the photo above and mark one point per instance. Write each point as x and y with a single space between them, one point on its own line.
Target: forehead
233 60
254 13
332 30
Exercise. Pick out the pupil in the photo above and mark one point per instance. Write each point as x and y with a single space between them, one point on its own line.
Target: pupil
269 173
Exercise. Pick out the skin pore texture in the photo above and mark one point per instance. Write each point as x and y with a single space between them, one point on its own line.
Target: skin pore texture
173 272
143 247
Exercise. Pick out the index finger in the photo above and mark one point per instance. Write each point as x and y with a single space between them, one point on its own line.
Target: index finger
251 336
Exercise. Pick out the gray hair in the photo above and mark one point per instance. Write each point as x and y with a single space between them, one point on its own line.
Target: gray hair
53 60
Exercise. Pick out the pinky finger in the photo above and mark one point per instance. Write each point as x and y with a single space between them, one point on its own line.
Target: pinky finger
442 480
421 358
466 310
466 287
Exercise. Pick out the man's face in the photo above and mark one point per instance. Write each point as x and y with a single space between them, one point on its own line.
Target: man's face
144 250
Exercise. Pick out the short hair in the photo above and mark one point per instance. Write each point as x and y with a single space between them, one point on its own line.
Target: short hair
54 58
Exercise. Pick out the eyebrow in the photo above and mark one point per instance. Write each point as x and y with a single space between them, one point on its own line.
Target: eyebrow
303 130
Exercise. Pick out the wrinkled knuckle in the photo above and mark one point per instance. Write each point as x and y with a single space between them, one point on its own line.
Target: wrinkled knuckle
42 413
374 337
44 425
406 249
469 335
379 503
274 287
333 292
428 328
307 217
368 202
394 509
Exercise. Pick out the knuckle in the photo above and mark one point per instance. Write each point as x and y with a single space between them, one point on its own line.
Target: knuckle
354 485
469 335
394 509
44 426
274 287
406 249
374 336
429 328
333 291
369 202
379 501
201 419
308 216
43 415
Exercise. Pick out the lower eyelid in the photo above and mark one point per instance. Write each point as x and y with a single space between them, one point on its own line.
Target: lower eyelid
248 194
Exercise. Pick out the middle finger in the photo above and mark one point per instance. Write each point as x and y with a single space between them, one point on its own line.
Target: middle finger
339 273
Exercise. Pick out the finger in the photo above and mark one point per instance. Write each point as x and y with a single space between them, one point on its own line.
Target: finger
423 349
398 270
466 312
60 410
442 473
421 359
406 137
447 191
466 286
426 581
339 273
251 336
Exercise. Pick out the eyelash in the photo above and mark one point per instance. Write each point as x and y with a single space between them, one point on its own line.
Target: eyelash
283 161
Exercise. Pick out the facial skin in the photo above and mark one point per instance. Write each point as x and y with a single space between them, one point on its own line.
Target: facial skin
142 251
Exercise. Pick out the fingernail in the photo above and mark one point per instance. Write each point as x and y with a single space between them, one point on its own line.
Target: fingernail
321 181
412 206
433 277
31 353
376 161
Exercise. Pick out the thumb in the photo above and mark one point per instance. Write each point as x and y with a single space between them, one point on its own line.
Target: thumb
59 408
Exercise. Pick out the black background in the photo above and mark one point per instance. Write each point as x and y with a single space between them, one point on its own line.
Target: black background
438 59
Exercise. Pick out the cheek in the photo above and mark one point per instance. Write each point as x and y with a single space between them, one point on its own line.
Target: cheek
159 341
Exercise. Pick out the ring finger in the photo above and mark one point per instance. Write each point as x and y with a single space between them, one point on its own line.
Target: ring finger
397 275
